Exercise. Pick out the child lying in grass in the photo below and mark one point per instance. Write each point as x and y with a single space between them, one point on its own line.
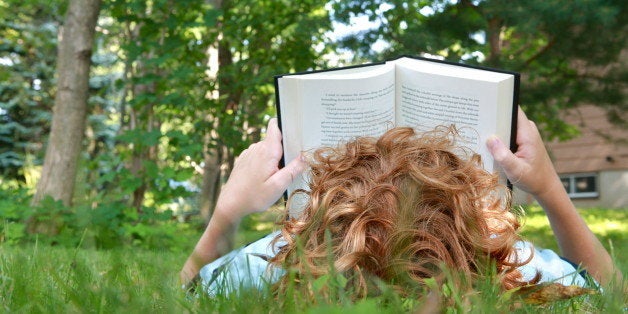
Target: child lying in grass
397 209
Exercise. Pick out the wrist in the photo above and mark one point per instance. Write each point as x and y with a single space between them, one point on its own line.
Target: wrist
228 210
553 190
189 271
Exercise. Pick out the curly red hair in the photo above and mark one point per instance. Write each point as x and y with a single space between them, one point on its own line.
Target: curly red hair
399 208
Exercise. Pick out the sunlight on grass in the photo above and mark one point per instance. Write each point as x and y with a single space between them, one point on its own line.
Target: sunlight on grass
263 226
606 227
609 225
39 278
600 221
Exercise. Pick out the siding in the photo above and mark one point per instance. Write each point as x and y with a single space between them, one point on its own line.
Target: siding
591 152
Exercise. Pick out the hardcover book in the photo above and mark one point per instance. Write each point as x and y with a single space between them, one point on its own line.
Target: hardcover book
328 107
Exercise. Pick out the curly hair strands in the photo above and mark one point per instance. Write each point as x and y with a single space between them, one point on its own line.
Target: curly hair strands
399 208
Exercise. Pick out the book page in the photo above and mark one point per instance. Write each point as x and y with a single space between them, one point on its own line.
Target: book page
479 104
425 108
328 108
289 111
341 108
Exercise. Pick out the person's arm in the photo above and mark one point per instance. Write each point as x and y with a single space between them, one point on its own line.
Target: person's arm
531 170
255 184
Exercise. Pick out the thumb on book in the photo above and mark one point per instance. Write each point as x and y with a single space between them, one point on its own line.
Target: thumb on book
284 176
502 155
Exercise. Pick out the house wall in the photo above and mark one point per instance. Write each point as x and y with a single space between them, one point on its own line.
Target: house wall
613 188
602 149
601 145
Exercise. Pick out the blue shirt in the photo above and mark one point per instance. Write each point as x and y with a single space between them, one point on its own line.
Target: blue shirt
248 267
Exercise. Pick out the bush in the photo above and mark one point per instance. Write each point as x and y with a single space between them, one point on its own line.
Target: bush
14 210
106 226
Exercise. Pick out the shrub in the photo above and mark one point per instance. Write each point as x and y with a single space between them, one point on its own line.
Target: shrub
106 226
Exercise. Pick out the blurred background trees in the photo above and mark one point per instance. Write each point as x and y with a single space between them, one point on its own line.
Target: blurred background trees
178 88
567 51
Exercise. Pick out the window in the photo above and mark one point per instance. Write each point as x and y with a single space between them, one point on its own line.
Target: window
580 185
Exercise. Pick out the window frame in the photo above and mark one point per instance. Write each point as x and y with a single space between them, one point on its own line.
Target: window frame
571 189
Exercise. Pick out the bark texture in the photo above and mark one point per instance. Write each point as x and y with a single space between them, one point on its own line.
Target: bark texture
76 39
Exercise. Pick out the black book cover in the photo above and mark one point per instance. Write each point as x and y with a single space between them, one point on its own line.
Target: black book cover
515 98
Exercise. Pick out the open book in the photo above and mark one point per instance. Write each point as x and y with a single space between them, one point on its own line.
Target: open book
325 108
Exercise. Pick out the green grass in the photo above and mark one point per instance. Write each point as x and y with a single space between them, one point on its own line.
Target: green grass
610 226
36 278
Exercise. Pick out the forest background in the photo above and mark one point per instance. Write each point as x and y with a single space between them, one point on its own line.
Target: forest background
120 120
175 90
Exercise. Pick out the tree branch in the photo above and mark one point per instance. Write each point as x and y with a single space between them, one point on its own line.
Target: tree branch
540 52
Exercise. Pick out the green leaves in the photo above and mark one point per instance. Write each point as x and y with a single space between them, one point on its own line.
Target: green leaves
28 40
141 137
550 42
163 89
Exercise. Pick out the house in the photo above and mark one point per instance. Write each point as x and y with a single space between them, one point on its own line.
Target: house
593 166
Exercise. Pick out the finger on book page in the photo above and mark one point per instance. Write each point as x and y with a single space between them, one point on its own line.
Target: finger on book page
284 176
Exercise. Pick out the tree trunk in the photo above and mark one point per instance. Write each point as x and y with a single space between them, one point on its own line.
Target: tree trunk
142 118
70 110
216 153
494 34
210 188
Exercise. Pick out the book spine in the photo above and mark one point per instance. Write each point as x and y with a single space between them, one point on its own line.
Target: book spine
513 119
282 161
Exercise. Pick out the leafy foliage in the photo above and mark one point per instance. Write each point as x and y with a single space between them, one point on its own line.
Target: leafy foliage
570 53
157 104
28 32
107 226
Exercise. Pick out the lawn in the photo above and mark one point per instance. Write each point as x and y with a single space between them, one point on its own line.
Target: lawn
37 278
611 227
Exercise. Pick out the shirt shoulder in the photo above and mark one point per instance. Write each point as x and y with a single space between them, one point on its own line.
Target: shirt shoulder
549 265
246 267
